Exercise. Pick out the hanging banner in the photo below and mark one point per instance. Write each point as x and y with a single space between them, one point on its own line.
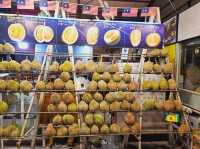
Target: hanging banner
148 11
25 4
5 3
99 33
108 12
70 7
129 12
90 10
47 5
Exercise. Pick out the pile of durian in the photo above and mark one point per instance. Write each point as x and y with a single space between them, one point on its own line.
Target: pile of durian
150 67
162 84
93 123
7 48
158 53
10 131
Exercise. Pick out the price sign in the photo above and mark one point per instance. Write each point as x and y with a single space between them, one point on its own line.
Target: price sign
172 117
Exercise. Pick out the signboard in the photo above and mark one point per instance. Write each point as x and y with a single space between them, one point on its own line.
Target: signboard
81 32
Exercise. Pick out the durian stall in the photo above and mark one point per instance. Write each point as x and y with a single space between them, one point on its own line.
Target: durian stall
87 100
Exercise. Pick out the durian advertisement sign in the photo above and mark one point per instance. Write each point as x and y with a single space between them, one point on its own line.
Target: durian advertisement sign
98 33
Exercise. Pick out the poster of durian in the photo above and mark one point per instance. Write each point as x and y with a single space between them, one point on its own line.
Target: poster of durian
101 33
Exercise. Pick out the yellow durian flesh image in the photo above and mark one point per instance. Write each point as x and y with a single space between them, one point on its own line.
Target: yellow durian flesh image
112 37
49 34
39 33
92 35
153 39
16 32
135 37
70 35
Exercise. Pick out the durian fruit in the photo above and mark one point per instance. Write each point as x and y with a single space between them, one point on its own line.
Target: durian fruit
40 85
113 68
55 98
90 66
183 129
49 86
1 48
104 106
65 76
26 86
8 48
35 65
133 86
112 85
50 130
69 85
157 68
100 68
51 108
169 105
115 128
12 85
62 131
149 104
155 85
66 66
130 96
68 97
127 68
26 65
146 85
164 52
89 119
125 105
129 118
73 129
135 106
178 105
13 66
172 84
4 65
117 77
125 128
109 97
79 66
58 84
122 86
2 85
8 130
3 107
68 119
106 76
92 86
148 67
87 97
119 96
159 104
62 107
104 129
84 130
135 128
115 106
93 106
102 85
15 133
127 78
155 52
94 129
54 67
98 119
98 97
72 107
57 119
167 68
83 106
163 83
96 76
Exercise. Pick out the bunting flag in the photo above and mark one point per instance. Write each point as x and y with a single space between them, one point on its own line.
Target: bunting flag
129 12
47 5
5 3
90 10
70 7
25 4
148 11
111 11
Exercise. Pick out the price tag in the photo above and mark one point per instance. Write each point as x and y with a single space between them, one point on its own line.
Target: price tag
172 117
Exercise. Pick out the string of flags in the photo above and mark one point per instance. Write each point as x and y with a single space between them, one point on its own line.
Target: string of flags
72 8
